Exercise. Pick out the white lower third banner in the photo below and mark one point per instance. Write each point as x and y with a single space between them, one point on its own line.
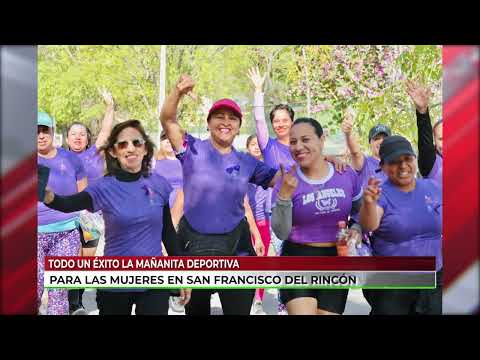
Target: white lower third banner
239 279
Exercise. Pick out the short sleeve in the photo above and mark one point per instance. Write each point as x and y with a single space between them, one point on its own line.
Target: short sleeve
357 185
435 168
382 202
364 168
262 173
162 186
96 191
188 147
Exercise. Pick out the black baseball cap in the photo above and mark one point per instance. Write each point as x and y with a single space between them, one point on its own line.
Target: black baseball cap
393 147
379 129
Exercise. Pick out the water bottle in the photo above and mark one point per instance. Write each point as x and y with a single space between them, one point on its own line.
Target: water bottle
342 238
354 242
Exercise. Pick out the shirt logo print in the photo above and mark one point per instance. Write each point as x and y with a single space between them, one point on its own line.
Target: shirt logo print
152 197
233 170
63 168
432 205
326 200
326 204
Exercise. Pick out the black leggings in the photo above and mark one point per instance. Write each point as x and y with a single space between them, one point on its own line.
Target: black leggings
75 297
149 302
234 302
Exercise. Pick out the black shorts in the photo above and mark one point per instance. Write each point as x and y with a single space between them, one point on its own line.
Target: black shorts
407 302
333 300
234 243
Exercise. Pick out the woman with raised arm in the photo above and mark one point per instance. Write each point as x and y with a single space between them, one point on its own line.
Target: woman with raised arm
430 140
79 141
215 183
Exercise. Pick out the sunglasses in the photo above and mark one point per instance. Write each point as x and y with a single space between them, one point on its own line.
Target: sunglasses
124 144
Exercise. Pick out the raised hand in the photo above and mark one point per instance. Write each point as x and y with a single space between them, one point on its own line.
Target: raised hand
347 123
340 165
185 85
257 79
289 182
107 97
372 191
419 94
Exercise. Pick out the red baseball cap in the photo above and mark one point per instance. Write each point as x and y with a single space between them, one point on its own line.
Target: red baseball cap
227 103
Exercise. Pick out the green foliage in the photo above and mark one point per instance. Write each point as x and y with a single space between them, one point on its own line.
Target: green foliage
367 79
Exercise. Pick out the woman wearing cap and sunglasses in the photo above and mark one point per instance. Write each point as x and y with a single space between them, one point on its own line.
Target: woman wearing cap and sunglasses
79 141
58 233
215 182
137 217
405 215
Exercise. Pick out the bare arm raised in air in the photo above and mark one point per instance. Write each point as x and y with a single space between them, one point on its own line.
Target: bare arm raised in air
168 115
358 158
107 122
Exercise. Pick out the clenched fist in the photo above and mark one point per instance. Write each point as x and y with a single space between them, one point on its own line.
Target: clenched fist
372 191
289 183
185 84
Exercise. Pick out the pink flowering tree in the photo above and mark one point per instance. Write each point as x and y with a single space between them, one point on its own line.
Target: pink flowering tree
367 80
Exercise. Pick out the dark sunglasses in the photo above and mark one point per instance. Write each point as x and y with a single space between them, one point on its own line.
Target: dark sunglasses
43 129
124 144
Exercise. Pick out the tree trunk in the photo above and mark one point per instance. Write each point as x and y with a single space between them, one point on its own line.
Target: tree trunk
161 83
307 82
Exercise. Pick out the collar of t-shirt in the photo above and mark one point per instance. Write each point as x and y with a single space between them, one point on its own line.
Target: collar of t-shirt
125 176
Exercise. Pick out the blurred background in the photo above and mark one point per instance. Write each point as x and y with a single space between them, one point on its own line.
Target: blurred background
319 81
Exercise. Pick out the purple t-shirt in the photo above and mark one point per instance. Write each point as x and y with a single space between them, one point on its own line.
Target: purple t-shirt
133 214
259 200
274 152
436 172
215 184
92 162
65 170
172 171
412 222
370 165
318 205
